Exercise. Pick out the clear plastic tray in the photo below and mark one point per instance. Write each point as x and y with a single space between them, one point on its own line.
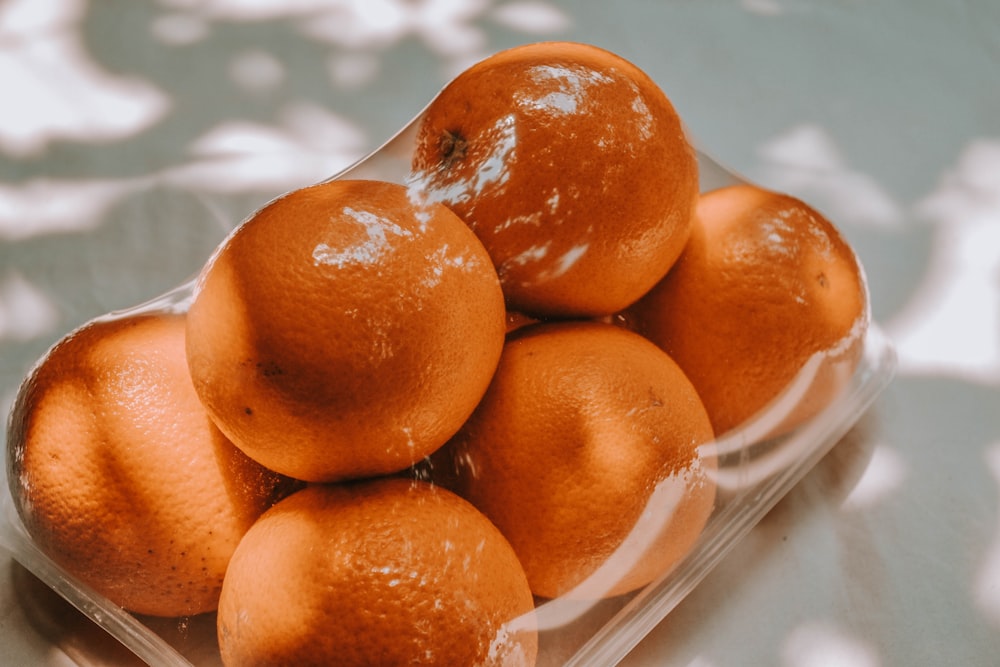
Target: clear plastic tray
754 473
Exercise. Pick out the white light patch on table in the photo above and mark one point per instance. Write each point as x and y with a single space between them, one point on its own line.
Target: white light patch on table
54 89
987 583
25 311
821 644
805 160
884 473
951 326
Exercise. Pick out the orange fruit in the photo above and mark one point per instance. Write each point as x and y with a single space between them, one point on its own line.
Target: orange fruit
343 331
585 453
766 286
119 475
386 571
572 167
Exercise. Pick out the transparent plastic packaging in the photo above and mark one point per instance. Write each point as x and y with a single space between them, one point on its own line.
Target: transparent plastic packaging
755 472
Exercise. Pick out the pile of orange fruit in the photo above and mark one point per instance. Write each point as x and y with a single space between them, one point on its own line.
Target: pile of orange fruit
396 416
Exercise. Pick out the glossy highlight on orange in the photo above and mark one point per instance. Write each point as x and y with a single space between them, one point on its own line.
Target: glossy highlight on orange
572 167
343 331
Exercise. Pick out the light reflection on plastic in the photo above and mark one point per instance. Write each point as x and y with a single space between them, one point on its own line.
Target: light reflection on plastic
987 583
785 450
663 502
819 644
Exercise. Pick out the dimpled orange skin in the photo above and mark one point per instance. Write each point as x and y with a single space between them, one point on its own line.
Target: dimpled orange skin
380 572
573 168
582 421
765 283
119 475
343 332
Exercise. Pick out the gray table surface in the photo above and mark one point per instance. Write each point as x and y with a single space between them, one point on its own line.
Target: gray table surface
884 114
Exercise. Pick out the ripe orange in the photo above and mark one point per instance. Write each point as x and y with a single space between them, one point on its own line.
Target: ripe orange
571 166
387 571
343 331
587 431
119 475
765 285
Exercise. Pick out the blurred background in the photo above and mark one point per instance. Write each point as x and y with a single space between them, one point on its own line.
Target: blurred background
883 114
